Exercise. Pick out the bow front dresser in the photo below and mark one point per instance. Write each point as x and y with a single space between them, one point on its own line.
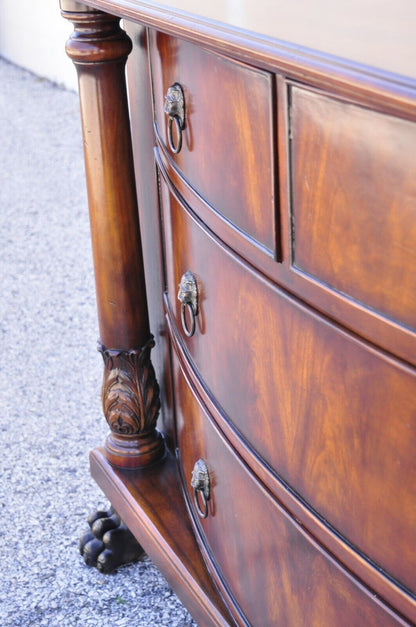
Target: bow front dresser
252 195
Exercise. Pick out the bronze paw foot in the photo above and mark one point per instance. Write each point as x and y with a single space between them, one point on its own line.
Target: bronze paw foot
109 543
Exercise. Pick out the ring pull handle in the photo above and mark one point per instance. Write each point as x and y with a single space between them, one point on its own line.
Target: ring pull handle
175 109
201 485
188 297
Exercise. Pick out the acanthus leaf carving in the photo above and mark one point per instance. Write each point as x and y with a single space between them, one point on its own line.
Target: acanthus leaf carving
130 392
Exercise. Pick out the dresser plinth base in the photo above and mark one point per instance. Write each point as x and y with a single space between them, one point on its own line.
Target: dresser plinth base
150 503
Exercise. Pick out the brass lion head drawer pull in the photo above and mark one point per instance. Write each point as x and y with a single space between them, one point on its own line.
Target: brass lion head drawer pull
188 296
201 485
175 109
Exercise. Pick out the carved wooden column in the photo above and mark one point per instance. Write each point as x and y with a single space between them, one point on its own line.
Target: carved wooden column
99 49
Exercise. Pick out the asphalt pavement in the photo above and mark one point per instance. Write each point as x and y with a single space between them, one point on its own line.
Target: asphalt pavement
50 379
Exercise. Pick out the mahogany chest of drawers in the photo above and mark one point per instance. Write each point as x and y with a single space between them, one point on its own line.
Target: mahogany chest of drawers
275 257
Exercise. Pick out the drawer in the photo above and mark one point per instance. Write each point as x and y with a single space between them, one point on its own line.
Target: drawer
227 152
334 418
275 573
354 202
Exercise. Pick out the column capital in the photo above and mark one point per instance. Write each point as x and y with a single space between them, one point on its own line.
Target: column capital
97 36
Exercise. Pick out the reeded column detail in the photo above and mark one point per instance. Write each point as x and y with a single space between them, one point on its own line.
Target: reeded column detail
99 49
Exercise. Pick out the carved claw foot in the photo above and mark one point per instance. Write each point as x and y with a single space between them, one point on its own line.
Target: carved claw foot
109 543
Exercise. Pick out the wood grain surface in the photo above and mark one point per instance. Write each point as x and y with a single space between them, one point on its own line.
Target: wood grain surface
228 150
274 572
354 201
333 417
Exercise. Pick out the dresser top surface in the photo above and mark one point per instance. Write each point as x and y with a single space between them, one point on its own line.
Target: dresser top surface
376 33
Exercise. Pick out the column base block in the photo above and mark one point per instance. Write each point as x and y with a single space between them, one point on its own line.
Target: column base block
137 452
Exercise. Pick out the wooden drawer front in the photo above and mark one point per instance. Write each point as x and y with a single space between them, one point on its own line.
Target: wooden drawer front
273 571
334 418
227 153
354 201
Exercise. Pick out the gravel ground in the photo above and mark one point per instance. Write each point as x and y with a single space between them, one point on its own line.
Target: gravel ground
50 379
